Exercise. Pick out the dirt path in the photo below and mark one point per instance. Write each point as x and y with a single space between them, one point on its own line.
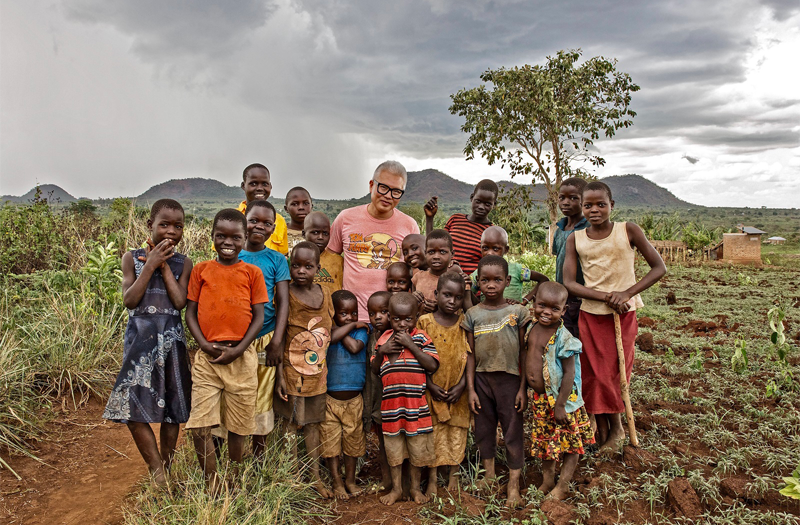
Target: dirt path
90 466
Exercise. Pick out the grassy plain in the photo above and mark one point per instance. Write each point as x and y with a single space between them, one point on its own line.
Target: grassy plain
715 442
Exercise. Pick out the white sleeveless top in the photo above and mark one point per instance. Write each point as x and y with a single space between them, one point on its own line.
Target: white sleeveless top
608 266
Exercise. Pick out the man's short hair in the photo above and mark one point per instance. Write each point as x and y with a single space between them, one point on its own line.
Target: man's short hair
260 203
493 260
305 245
393 167
165 204
441 235
229 214
253 166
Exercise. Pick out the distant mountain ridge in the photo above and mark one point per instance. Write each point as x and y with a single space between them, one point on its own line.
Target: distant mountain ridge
51 192
627 190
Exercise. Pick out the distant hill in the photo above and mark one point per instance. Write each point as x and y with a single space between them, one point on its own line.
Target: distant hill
194 189
51 192
628 190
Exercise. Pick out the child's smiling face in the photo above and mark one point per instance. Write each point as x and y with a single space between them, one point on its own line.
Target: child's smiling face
229 237
167 224
378 309
548 308
257 185
260 225
346 311
414 250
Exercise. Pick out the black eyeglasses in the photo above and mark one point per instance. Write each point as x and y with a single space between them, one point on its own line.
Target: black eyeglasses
383 189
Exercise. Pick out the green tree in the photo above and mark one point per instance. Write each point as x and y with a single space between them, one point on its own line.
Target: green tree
541 121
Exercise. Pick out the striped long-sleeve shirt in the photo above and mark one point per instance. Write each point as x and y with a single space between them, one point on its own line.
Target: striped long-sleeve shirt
404 409
466 241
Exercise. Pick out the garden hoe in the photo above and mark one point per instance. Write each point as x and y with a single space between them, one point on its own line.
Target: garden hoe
623 382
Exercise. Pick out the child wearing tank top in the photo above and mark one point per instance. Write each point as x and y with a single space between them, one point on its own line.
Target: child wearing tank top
606 252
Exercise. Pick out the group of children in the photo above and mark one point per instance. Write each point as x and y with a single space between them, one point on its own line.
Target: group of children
451 343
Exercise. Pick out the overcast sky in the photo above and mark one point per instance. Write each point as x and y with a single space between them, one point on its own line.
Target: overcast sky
108 97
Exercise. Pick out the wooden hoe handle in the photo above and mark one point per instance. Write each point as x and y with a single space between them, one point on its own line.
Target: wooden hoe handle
623 382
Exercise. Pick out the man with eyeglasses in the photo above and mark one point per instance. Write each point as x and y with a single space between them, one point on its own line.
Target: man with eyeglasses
369 237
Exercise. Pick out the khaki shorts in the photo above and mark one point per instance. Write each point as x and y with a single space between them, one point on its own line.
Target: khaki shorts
239 383
417 449
343 430
265 418
302 410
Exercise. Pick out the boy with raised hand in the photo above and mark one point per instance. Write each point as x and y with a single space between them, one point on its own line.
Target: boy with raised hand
495 387
298 205
494 241
570 202
466 229
224 314
317 230
257 185
342 432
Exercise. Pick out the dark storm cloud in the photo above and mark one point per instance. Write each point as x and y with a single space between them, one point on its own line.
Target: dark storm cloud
690 159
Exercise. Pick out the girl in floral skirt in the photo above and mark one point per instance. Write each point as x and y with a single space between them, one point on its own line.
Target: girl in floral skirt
154 385
561 424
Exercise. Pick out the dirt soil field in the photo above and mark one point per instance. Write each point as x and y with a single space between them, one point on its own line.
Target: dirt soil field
713 444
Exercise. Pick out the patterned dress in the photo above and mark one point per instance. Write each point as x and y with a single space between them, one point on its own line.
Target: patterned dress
154 385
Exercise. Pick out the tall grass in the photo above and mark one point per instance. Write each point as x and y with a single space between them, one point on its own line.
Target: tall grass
262 494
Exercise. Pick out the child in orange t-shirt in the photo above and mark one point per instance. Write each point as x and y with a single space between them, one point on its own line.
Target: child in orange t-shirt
224 314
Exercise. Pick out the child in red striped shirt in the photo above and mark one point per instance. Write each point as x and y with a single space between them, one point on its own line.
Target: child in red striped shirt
404 356
466 230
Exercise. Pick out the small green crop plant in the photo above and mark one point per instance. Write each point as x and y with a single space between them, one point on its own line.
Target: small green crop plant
777 337
739 361
792 488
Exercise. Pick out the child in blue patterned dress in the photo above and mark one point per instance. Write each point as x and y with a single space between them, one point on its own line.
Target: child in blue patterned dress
154 385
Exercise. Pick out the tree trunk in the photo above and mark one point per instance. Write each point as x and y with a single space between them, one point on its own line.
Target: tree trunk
552 205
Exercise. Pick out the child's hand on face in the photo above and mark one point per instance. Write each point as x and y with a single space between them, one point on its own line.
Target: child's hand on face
437 393
390 347
158 254
431 207
560 413
403 339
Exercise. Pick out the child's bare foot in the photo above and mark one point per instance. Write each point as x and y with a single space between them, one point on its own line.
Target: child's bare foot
418 496
560 492
452 484
352 488
433 488
214 486
546 486
159 478
392 497
514 500
487 484
340 493
322 490
613 445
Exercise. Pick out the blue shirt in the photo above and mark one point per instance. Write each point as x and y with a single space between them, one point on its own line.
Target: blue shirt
273 266
348 372
562 346
560 248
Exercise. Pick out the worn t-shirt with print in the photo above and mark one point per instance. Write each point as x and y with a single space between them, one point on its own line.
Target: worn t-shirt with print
496 336
369 246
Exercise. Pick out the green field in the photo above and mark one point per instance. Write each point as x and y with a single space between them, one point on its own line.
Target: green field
715 442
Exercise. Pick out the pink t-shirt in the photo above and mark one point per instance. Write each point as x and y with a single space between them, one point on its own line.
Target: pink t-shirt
369 246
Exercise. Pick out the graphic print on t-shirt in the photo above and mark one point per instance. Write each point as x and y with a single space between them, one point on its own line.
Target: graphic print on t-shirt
376 251
308 349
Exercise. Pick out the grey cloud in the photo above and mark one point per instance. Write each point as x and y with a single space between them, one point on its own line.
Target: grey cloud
690 159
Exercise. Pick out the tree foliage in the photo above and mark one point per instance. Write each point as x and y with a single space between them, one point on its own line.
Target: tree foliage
542 120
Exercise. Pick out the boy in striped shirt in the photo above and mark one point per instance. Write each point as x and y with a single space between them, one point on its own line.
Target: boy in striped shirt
466 229
404 356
